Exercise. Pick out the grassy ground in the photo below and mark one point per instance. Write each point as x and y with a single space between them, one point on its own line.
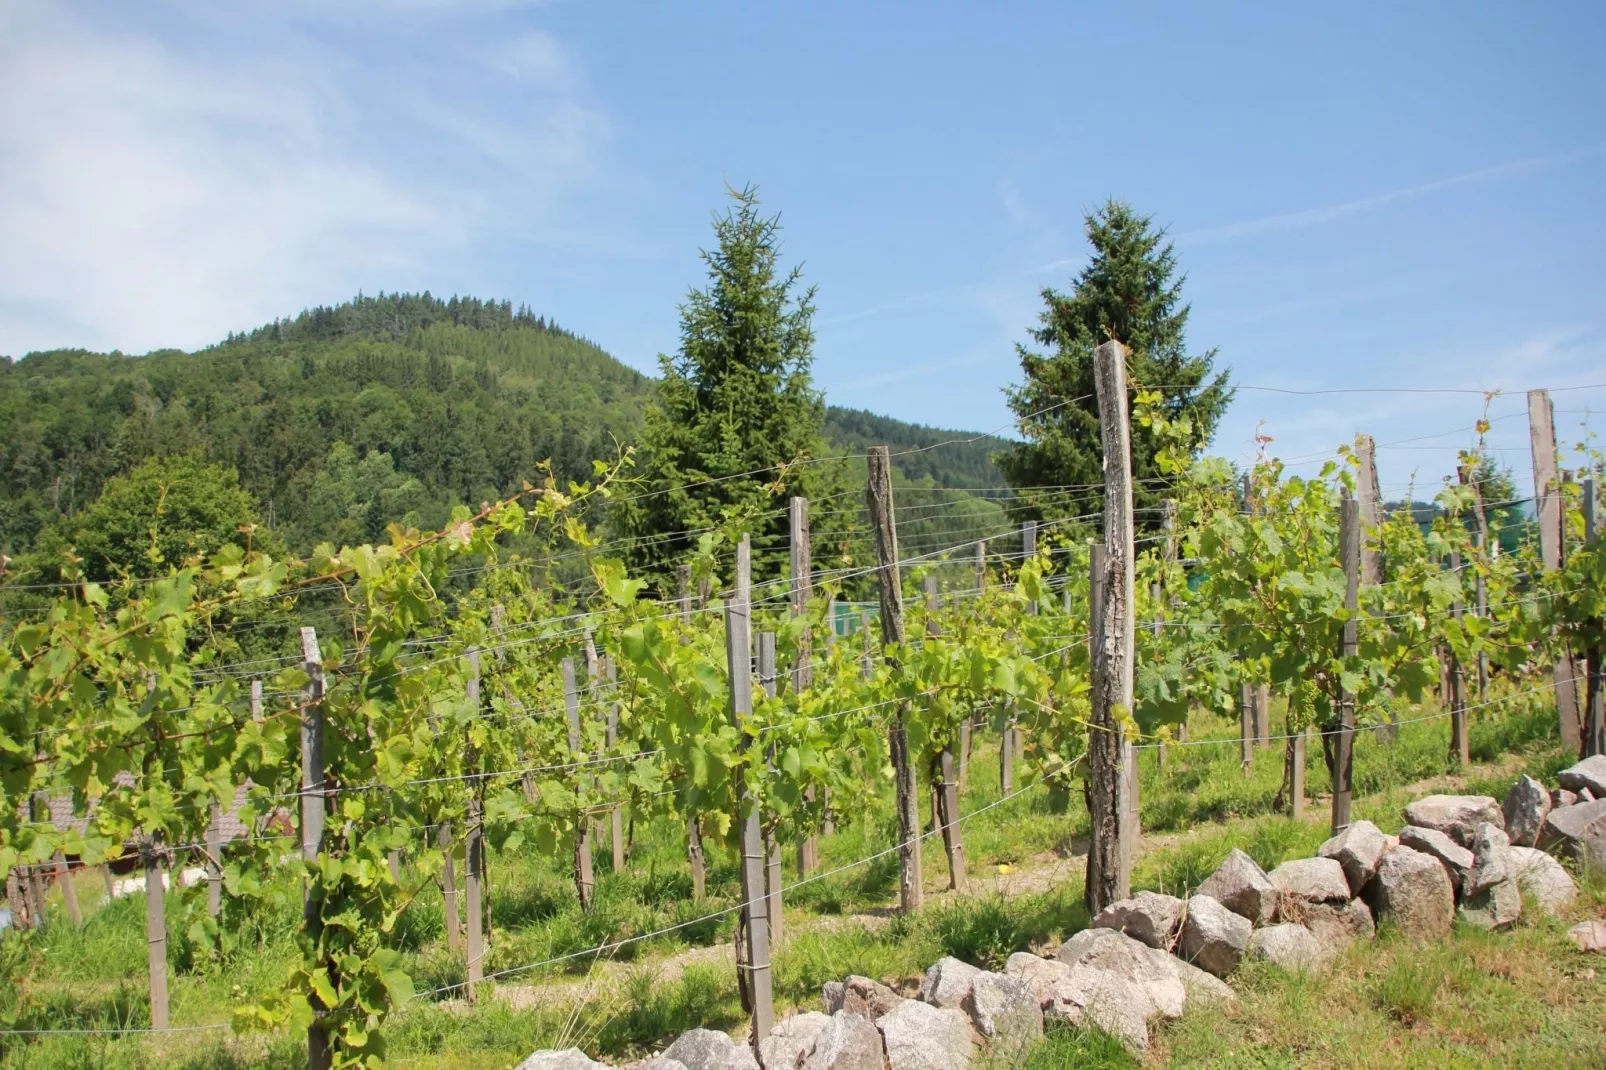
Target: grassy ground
1476 1000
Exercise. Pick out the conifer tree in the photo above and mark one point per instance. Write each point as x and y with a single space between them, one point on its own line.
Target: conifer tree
1129 291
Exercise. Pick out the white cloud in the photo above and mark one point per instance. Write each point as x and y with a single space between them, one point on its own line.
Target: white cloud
154 194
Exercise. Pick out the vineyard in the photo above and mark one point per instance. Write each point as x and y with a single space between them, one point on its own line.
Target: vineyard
314 816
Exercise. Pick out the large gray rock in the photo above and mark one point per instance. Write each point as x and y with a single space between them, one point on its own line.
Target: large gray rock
1543 880
1580 831
1456 860
947 983
1588 775
861 996
1203 989
1213 937
1313 880
1457 816
1148 916
848 1042
1525 808
709 1049
1412 890
1149 971
1005 1010
1292 947
567 1059
1091 996
1240 885
1562 797
1358 849
1038 974
792 1039
1335 925
1497 906
1490 861
656 1062
919 1036
1589 935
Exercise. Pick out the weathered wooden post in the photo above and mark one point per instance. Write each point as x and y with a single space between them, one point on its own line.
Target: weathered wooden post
584 883
739 660
1548 506
945 788
69 894
878 496
1109 855
1341 744
312 822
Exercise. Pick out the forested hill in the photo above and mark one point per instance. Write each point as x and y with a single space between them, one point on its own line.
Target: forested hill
342 419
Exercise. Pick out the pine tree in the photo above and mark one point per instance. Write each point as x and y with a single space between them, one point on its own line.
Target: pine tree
735 427
1131 292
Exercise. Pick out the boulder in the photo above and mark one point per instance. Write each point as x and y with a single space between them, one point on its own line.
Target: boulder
1413 890
1580 830
848 1042
567 1059
1091 996
1335 926
1148 916
1203 989
1213 937
1456 860
1588 775
1313 880
861 996
919 1036
1525 808
792 1040
1457 816
709 1049
1560 797
1497 906
1241 886
1149 971
1542 879
1292 947
1005 1010
1358 849
947 983
656 1062
1039 974
1490 853
1589 935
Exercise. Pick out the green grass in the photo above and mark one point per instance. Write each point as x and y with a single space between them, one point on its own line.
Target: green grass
1391 1002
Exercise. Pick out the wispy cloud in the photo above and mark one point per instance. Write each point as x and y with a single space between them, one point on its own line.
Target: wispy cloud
1316 216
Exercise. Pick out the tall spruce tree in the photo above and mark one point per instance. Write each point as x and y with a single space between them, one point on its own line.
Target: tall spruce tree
735 427
1130 291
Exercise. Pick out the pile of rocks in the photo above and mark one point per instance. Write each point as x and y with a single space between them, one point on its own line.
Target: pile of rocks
1147 957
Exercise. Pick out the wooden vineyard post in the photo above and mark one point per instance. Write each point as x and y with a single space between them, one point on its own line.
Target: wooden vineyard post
1341 746
772 848
474 841
155 930
802 554
312 822
214 861
584 883
694 832
1548 505
753 954
945 785
1109 855
684 575
967 727
1480 604
69 894
1369 501
1594 741
878 498
1460 746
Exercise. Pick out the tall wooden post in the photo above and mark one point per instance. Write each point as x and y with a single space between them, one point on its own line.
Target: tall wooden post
155 930
69 893
755 955
802 554
1341 745
584 883
312 820
1109 856
1594 741
1460 745
878 497
1480 586
684 575
945 786
474 844
1548 505
1370 503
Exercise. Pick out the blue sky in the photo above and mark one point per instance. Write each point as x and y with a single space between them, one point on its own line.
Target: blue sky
1384 196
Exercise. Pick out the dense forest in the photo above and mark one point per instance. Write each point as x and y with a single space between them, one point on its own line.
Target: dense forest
386 408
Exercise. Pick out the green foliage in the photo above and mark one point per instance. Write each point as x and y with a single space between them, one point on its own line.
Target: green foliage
1129 292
